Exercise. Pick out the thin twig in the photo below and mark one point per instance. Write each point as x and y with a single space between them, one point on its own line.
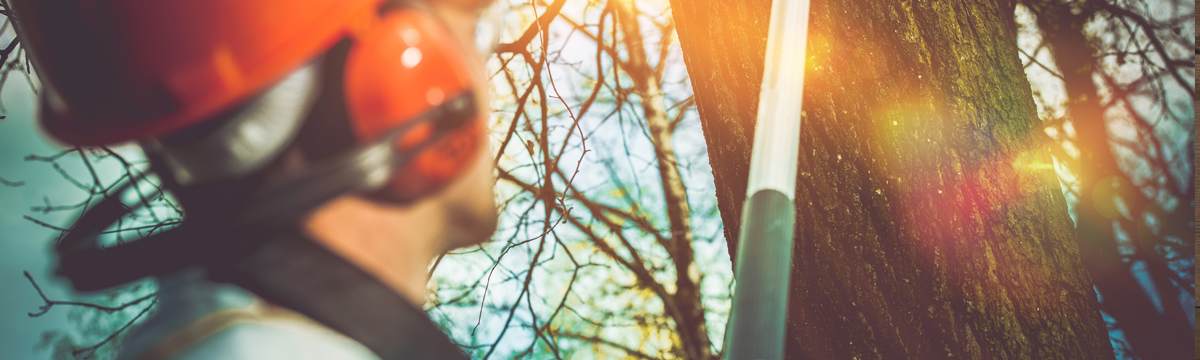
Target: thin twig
43 309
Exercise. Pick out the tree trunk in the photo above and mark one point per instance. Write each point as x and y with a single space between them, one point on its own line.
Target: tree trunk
1151 334
929 222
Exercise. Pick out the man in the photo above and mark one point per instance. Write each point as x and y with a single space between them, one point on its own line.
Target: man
324 153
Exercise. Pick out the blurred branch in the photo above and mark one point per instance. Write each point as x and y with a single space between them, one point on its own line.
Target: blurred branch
42 310
1180 190
10 183
596 340
113 336
1173 64
542 23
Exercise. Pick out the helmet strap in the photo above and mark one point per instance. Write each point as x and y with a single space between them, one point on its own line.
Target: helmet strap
326 131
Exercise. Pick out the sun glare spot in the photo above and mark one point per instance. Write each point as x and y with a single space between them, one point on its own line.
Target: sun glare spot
1070 149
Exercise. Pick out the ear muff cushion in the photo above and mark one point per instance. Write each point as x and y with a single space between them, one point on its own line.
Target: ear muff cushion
407 64
440 163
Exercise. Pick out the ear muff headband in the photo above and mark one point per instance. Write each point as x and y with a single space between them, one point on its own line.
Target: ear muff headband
246 140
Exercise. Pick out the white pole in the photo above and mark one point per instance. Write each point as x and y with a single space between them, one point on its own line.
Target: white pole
758 320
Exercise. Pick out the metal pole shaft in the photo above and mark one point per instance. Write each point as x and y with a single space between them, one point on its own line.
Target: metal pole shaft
758 320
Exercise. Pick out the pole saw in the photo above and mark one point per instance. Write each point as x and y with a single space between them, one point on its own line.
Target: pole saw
758 318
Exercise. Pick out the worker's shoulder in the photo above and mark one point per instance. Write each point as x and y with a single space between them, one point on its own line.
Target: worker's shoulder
200 319
258 331
275 340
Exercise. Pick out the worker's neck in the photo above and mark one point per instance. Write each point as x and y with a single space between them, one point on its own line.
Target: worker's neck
394 244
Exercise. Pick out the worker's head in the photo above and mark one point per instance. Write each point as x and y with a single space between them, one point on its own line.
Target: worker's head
380 106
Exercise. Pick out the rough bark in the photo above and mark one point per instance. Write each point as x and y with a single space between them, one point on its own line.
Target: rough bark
1151 334
928 224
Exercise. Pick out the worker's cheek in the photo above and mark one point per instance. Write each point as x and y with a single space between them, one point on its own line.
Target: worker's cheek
470 202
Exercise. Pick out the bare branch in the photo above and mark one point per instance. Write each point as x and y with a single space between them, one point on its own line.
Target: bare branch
42 310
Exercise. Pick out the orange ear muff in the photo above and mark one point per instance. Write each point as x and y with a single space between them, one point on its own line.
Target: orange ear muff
401 68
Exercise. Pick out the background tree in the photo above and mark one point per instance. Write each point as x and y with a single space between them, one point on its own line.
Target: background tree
1120 129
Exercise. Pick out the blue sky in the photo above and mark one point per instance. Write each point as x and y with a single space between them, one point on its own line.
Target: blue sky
24 246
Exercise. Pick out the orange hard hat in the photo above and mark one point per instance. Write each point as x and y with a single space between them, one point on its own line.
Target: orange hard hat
135 69
128 69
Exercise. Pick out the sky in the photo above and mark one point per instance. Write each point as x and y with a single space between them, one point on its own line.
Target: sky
25 246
